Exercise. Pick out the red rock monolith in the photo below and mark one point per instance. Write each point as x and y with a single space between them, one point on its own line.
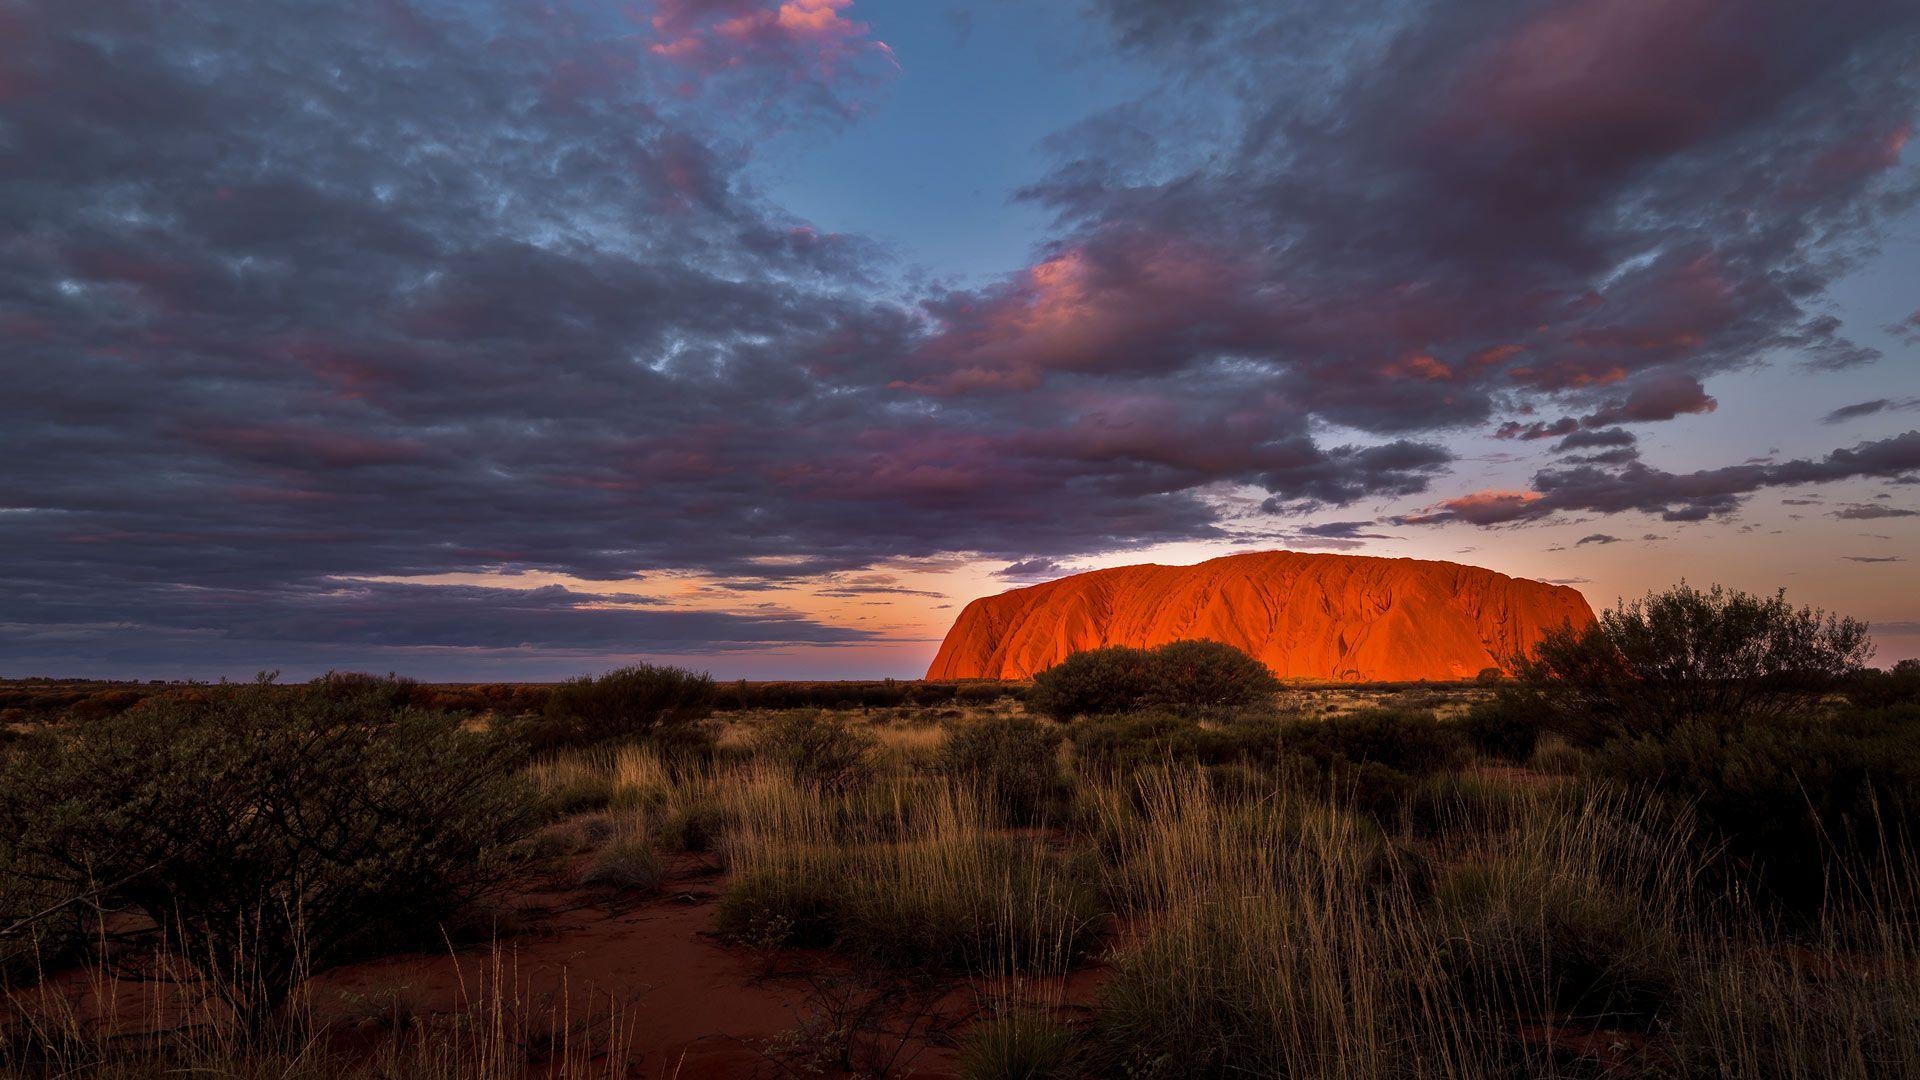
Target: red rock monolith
1311 616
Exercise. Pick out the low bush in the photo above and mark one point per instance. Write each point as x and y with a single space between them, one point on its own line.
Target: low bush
1115 679
1186 678
1207 679
850 694
626 866
1127 743
271 832
626 703
1534 942
1505 727
1014 762
1403 740
1806 802
1876 689
820 748
360 690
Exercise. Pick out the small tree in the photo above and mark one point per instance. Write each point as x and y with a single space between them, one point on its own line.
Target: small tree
1114 679
1649 665
625 703
270 833
1207 678
1191 678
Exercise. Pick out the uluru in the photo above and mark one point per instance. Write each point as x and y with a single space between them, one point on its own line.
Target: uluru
1304 615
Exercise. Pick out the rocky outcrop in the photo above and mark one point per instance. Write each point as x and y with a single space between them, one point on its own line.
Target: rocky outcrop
1304 615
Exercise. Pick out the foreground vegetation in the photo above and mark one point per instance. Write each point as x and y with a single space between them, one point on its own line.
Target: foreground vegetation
1677 845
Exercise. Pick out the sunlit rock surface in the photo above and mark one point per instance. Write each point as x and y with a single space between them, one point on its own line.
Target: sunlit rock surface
1304 615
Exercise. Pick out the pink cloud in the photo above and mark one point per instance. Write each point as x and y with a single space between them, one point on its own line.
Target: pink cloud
803 40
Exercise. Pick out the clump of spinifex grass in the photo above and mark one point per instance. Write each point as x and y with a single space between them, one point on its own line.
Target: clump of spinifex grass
909 874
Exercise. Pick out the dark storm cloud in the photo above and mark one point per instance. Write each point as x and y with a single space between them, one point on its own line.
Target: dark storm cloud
294 294
1587 440
1868 408
1026 570
1486 204
1693 496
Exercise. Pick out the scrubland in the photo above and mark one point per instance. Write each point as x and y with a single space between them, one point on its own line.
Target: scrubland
1145 866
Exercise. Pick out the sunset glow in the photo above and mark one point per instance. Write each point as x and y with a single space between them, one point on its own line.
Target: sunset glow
489 340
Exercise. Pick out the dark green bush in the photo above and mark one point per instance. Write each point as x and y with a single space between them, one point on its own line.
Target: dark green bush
850 694
1015 762
1876 689
1207 678
1805 801
1404 740
271 832
822 749
625 703
1126 743
1187 678
1115 679
1686 654
1505 727
361 690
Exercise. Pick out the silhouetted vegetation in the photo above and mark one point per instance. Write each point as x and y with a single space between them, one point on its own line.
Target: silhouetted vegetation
625 703
269 835
1015 763
1186 678
1688 654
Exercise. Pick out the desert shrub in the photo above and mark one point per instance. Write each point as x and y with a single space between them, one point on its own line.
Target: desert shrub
1532 941
1207 678
1505 727
1801 799
1404 740
359 689
270 832
1687 654
1014 762
1186 678
625 703
687 746
693 827
1115 679
626 866
1019 1044
820 748
1128 743
1872 688
849 694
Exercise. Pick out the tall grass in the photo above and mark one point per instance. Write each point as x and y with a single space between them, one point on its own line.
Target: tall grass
97 1023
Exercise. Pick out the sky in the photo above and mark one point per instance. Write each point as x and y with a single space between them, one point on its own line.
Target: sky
483 340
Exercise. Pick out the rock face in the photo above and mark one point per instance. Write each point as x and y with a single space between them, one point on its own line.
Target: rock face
1304 615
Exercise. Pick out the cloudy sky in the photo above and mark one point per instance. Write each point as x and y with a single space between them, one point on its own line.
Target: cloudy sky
516 339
